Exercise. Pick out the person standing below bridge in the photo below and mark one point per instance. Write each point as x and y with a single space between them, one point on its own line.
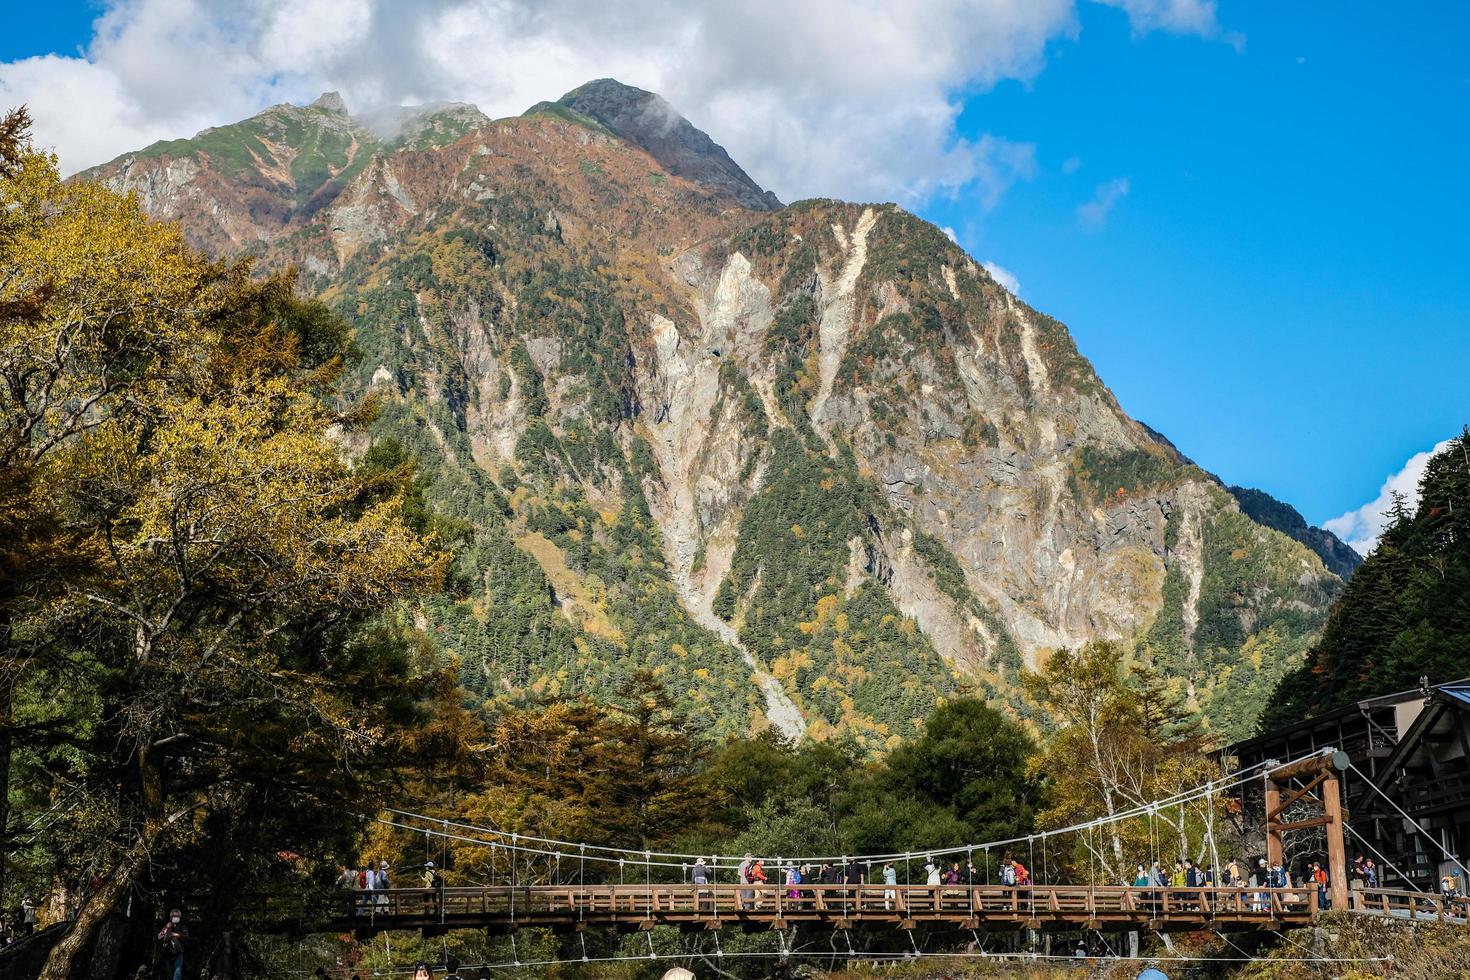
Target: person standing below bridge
27 916
173 940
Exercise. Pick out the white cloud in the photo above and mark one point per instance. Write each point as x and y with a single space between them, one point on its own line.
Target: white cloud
1071 165
1177 17
949 233
857 98
1004 276
1094 214
1362 527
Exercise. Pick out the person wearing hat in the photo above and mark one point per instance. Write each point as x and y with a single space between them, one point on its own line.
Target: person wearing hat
433 881
381 885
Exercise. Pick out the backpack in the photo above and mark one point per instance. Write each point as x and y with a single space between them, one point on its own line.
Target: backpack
362 879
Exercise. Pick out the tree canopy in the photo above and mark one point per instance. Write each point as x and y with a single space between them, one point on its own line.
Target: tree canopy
1406 612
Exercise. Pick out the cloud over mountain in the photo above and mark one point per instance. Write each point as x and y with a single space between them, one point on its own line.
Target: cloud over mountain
1362 526
830 97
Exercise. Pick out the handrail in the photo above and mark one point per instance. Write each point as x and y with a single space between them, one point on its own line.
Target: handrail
683 902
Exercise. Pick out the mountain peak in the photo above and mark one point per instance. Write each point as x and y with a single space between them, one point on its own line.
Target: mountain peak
649 121
330 102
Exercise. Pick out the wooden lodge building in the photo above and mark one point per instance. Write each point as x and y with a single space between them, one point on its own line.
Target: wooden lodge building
1411 748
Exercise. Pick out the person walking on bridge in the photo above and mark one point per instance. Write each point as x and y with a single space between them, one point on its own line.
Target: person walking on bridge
758 879
700 876
890 885
743 874
853 877
434 882
381 884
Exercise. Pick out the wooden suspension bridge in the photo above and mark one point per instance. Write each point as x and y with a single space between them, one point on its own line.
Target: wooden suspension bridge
697 907
693 908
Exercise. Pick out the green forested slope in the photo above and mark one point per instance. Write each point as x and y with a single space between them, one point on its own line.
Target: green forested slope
1406 612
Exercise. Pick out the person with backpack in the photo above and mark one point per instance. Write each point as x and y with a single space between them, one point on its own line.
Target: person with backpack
793 878
742 873
758 879
173 941
381 884
434 882
1319 875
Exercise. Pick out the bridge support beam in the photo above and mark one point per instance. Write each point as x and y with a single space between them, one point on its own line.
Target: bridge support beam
1321 773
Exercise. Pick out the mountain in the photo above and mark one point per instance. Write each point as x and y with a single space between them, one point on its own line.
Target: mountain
810 463
1340 559
645 119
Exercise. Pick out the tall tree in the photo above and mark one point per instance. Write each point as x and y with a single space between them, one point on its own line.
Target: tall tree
1120 742
95 304
1406 612
197 560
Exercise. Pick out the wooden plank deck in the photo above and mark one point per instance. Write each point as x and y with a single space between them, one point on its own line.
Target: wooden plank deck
992 907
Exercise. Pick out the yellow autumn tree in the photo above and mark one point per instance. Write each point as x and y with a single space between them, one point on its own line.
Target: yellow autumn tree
1121 742
225 655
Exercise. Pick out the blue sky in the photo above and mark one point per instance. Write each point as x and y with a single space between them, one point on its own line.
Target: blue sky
1283 291
1272 268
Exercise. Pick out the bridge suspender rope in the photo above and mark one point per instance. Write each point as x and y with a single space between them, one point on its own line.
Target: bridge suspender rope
1178 800
1417 826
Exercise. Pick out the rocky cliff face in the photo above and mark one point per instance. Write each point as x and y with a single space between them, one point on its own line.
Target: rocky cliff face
811 464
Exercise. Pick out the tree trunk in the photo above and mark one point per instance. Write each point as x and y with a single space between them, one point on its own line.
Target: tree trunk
155 822
8 678
90 918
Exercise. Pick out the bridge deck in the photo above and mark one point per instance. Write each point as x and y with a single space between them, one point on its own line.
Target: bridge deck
993 907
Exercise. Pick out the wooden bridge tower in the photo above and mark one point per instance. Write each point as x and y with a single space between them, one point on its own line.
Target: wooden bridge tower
1323 787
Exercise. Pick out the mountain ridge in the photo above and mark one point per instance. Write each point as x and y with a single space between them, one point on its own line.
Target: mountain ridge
813 453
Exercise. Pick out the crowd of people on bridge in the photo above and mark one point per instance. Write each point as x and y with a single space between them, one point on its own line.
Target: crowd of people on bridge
370 885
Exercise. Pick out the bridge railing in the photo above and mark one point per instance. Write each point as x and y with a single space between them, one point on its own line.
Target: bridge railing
1412 905
687 902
